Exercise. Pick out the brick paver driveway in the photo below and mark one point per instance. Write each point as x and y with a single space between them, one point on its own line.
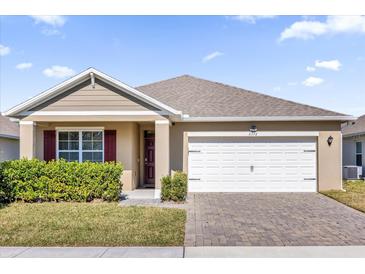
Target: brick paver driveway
271 219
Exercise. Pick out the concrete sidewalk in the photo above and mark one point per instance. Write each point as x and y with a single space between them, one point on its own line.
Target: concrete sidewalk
275 252
91 252
187 252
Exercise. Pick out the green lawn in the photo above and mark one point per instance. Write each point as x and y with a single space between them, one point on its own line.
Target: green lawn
90 224
354 196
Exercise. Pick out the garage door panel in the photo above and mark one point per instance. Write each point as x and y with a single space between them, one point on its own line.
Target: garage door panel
252 165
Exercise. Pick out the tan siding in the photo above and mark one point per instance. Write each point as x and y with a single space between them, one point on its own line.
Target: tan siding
89 99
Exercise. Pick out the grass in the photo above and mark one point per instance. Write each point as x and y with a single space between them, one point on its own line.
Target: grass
354 196
90 224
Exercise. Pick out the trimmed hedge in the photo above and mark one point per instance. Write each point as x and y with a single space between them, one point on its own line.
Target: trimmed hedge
174 188
37 181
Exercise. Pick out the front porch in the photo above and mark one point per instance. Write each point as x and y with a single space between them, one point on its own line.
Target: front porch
142 146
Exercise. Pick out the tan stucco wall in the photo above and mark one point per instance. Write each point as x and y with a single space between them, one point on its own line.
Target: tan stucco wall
162 151
9 149
127 145
27 140
170 143
329 157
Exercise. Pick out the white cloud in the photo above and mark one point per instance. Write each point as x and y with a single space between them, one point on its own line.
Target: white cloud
312 81
211 56
50 32
4 50
307 29
309 68
58 72
331 65
251 19
23 66
277 88
53 20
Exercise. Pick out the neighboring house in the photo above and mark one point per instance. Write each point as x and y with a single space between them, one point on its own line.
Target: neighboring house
226 138
9 139
354 143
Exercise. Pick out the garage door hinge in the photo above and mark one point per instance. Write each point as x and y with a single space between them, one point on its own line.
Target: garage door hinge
194 179
309 179
309 150
194 151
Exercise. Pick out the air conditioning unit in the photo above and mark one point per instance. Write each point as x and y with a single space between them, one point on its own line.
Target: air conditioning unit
352 172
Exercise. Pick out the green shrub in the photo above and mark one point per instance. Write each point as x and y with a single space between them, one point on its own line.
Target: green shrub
174 188
35 180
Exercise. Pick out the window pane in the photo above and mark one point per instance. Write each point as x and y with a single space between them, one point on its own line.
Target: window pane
73 135
97 136
63 135
64 155
97 156
358 147
73 145
87 135
97 145
87 156
359 160
86 145
69 156
74 156
62 145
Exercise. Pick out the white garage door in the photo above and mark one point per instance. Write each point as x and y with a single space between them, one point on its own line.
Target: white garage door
252 164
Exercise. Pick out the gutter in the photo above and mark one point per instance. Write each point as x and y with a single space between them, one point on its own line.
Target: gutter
9 136
187 118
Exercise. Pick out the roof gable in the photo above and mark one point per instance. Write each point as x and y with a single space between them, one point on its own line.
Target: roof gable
88 75
88 97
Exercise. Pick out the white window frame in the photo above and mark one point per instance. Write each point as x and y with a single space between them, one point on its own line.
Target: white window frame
80 130
358 153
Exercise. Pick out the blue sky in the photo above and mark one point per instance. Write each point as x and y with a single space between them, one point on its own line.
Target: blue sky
313 60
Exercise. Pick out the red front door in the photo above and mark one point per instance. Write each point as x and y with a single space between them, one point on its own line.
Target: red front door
149 158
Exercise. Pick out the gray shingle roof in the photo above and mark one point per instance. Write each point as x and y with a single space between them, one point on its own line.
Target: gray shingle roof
8 128
203 98
356 128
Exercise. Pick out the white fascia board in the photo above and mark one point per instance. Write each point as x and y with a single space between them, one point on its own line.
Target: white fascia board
93 113
50 93
256 134
27 123
267 118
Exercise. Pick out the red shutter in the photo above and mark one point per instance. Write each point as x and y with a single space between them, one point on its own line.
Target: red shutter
110 145
49 145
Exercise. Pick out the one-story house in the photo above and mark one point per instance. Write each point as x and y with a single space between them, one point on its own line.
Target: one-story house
226 138
354 143
9 139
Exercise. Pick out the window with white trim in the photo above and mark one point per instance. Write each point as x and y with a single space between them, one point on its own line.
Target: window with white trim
80 145
359 153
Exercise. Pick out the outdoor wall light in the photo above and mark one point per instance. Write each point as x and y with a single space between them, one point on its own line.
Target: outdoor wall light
329 140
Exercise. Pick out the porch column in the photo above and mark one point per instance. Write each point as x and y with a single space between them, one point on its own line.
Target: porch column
162 151
27 138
